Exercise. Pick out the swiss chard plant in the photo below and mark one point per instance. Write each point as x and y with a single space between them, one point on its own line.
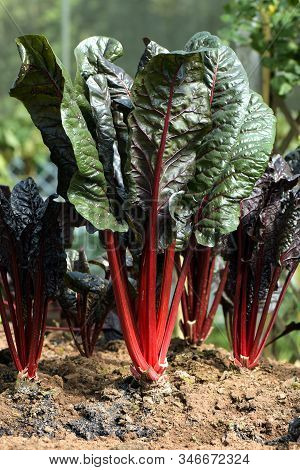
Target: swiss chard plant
263 255
32 264
230 158
156 164
85 300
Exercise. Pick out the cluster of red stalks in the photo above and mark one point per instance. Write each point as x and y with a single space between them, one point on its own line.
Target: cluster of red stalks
198 314
148 322
25 333
85 328
250 323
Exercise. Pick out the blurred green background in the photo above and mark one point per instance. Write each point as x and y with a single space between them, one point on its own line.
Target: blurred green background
265 34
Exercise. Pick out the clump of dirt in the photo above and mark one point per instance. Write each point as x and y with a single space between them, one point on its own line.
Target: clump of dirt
98 420
37 410
204 402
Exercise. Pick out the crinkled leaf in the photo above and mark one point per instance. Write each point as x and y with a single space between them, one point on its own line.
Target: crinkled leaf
270 224
119 82
151 50
232 156
30 234
7 216
104 93
88 186
169 94
293 159
22 214
288 250
246 162
87 53
276 181
53 254
40 86
8 226
68 302
203 41
228 87
106 134
119 85
85 283
27 204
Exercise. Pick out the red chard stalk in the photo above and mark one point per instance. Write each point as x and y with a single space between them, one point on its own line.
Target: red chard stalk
261 267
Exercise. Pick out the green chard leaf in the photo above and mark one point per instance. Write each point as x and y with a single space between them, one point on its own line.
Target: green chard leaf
247 162
88 188
40 86
106 135
86 54
104 93
119 85
234 154
171 114
95 56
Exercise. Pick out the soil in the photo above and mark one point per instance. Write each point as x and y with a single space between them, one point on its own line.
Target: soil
205 403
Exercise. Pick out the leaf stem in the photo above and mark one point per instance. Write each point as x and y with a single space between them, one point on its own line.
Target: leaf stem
208 322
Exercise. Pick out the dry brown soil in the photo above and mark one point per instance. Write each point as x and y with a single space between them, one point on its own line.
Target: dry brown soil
206 403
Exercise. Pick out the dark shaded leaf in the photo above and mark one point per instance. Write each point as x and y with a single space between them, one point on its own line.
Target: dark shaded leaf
151 50
276 181
270 222
69 219
52 251
40 86
86 300
85 283
30 235
293 159
27 205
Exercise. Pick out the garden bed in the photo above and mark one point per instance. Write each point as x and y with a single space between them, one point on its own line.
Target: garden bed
95 404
